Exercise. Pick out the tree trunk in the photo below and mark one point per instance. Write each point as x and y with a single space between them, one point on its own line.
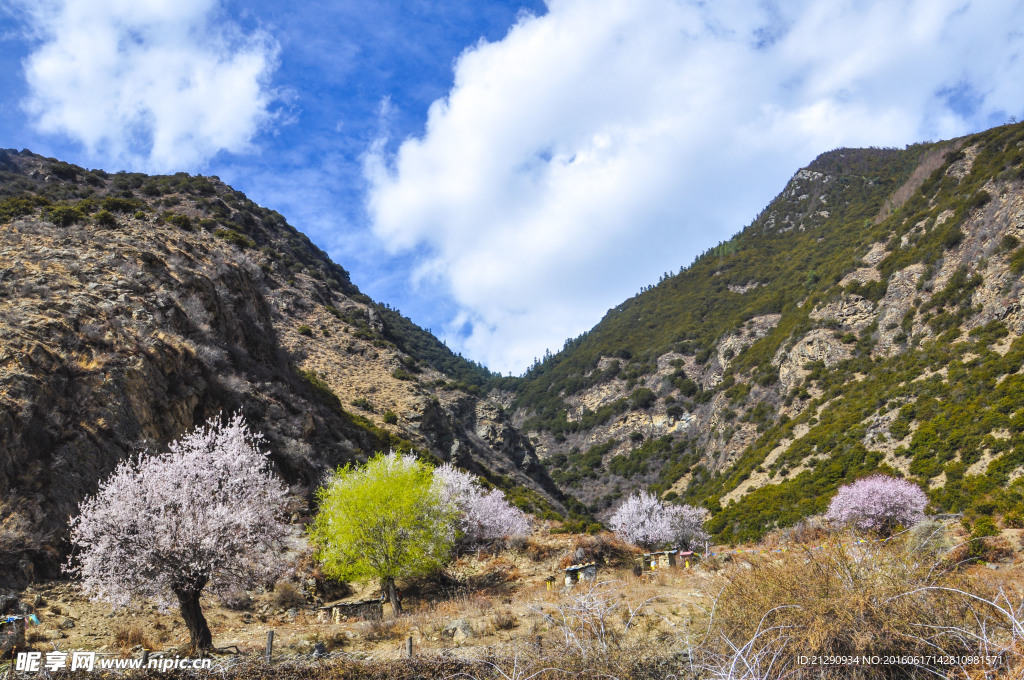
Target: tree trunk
192 613
392 593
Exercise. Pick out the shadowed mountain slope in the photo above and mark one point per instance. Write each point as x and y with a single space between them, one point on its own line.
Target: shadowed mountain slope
133 308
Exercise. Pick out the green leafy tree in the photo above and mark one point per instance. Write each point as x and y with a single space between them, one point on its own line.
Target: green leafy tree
385 520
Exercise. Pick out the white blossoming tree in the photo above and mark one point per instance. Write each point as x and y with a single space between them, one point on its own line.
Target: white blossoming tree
687 522
482 515
208 513
647 522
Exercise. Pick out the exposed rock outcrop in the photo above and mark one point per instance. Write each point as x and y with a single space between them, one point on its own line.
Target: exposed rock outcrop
119 334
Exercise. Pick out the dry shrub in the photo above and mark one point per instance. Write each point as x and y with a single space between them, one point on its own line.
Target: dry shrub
127 636
517 543
931 536
497 563
285 595
479 602
636 659
34 636
958 555
869 598
506 662
537 551
504 620
812 530
596 630
235 599
604 548
464 606
389 628
996 549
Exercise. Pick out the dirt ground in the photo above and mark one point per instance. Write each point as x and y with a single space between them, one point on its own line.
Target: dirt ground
486 599
499 595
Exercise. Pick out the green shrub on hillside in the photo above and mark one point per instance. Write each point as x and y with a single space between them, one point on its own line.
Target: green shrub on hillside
234 238
642 398
180 221
63 215
105 219
20 206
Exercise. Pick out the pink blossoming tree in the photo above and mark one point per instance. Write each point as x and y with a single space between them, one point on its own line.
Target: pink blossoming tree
878 503
647 522
481 515
206 513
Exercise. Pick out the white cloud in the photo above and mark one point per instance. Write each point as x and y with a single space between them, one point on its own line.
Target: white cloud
161 85
605 142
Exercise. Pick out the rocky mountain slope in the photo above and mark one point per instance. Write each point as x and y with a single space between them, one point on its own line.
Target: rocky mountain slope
869 319
133 308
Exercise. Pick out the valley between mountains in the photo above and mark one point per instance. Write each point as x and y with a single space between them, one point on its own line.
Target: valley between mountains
868 319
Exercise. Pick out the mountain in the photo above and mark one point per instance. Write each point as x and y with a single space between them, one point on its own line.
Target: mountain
869 319
133 308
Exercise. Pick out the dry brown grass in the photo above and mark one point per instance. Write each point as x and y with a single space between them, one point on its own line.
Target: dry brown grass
464 606
33 637
996 549
388 628
504 620
127 636
506 662
812 531
537 551
285 594
604 548
861 599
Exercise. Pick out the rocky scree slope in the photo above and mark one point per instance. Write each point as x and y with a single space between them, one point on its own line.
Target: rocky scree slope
133 308
869 319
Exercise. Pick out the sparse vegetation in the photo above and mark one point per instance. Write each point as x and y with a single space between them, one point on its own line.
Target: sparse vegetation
234 238
865 599
363 403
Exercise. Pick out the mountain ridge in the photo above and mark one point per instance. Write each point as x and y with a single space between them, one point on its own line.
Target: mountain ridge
869 319
704 386
136 307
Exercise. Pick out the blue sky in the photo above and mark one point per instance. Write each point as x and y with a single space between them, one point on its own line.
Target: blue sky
502 172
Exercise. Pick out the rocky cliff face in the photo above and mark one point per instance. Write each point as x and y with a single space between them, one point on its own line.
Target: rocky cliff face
134 308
